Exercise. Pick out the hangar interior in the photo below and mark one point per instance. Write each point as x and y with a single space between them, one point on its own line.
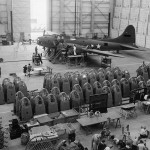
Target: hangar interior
38 111
82 17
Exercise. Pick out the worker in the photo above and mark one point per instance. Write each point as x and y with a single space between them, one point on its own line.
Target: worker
92 46
67 49
33 57
74 50
43 32
102 145
0 72
143 132
61 145
25 70
135 143
36 51
95 141
58 38
141 145
40 58
108 147
29 69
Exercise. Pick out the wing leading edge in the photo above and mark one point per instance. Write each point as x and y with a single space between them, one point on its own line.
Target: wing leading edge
104 53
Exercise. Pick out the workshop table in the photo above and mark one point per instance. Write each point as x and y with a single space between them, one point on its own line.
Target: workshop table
42 70
128 110
45 120
103 119
78 59
70 115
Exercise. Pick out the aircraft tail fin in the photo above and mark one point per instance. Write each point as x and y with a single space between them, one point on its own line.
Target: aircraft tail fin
127 37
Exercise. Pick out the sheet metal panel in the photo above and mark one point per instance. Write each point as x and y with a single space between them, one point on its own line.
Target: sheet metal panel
56 2
117 12
147 45
143 16
125 13
3 8
85 31
145 3
126 3
102 32
114 33
3 20
142 28
101 19
135 3
118 3
148 31
3 2
3 14
123 24
134 14
21 18
103 10
116 23
121 31
3 28
140 40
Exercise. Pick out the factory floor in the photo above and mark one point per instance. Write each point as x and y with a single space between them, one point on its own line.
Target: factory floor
16 56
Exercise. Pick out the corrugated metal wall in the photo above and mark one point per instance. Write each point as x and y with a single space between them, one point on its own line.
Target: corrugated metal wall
21 18
91 16
5 7
135 12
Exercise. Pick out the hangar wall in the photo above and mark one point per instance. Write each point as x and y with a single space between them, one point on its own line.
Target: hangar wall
21 19
5 7
91 17
132 12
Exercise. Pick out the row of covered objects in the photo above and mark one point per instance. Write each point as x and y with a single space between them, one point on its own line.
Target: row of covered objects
43 102
8 90
81 78
66 83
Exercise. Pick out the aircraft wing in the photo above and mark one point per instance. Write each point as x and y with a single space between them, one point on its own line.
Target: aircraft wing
104 53
130 47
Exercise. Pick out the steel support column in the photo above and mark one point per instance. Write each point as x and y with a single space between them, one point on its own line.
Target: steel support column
48 22
80 18
61 16
92 15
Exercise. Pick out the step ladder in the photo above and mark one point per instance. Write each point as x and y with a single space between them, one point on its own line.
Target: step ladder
56 56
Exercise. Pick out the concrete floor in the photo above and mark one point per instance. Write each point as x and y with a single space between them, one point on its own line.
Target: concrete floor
15 58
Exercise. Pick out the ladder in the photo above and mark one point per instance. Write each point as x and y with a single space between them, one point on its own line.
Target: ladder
56 56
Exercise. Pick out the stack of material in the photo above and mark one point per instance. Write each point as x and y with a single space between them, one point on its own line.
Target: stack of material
1 138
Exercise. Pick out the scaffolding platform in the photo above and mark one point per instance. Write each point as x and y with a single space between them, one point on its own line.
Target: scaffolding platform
75 60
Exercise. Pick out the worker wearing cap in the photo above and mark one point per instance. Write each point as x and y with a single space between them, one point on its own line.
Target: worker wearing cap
95 141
